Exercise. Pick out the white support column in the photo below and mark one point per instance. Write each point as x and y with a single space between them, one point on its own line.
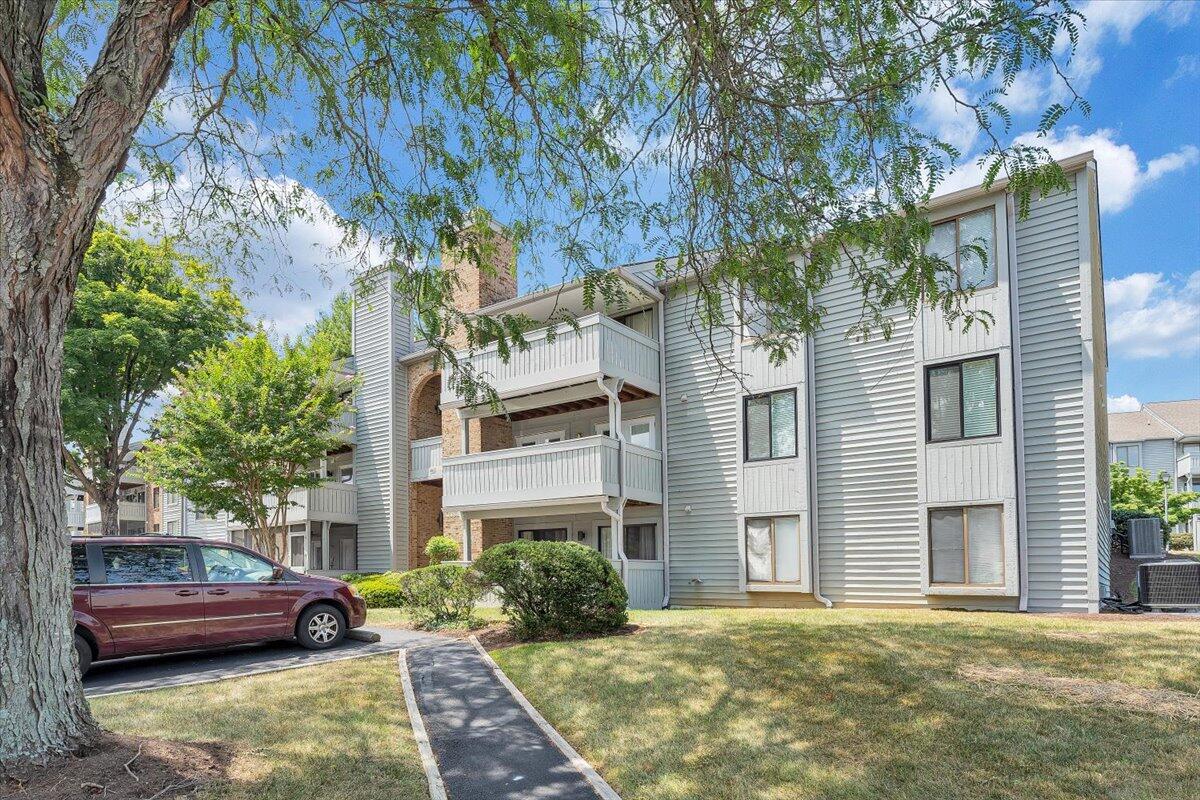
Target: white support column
464 441
466 527
325 555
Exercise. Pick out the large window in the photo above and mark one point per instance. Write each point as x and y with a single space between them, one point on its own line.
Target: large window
773 549
226 565
1128 454
641 541
639 431
146 564
770 421
968 245
966 545
962 400
544 535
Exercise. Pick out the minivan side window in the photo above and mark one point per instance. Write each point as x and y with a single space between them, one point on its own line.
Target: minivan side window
79 565
226 565
146 563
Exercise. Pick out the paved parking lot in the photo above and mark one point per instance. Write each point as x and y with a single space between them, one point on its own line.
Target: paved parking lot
155 672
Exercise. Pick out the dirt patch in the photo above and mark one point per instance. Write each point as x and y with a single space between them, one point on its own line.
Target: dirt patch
122 768
1076 636
500 635
1164 702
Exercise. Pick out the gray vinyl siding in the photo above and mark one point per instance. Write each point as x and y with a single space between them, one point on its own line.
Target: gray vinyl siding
401 346
702 420
1053 403
866 457
1158 455
374 460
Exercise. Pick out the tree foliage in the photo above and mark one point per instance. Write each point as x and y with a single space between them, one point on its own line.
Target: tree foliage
1138 492
246 424
334 326
142 312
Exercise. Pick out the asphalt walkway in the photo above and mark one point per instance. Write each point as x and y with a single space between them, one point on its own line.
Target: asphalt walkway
486 744
178 669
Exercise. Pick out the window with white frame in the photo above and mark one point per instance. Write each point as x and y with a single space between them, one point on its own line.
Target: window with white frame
968 245
962 400
770 426
773 549
966 546
639 431
1128 454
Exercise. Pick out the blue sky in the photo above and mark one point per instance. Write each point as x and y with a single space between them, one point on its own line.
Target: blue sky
1138 65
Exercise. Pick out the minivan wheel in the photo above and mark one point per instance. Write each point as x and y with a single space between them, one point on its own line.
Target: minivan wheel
321 627
84 651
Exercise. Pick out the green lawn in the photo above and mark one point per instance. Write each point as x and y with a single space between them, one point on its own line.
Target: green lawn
877 704
332 732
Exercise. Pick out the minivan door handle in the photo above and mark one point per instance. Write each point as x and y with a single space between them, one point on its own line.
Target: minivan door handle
187 592
218 591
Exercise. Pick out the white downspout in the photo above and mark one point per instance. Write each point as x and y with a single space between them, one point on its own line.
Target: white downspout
614 427
662 441
1018 418
810 393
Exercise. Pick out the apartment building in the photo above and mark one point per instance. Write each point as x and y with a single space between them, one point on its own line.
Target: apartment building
940 467
1161 438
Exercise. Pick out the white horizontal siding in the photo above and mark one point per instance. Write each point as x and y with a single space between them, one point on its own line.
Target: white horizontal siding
1052 403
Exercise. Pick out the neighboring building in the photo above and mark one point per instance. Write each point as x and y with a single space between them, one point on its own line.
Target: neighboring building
131 507
939 467
1161 438
75 503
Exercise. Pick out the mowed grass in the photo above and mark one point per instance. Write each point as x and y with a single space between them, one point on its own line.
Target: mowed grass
875 704
332 731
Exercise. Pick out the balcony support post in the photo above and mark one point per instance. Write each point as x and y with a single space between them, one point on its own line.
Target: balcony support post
464 441
466 529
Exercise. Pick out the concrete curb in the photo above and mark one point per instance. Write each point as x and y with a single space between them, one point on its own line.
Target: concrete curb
598 783
437 790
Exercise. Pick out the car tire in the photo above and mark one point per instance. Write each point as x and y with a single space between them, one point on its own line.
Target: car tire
84 651
321 627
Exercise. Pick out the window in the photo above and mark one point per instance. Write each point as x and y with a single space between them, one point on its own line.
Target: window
770 421
541 437
756 321
641 540
773 550
639 431
962 400
172 528
966 545
968 245
640 321
146 564
225 565
79 565
296 550
157 495
544 535
1128 454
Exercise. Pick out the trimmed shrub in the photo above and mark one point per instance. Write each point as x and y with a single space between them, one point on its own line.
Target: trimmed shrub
440 594
352 577
441 548
1182 541
554 587
380 590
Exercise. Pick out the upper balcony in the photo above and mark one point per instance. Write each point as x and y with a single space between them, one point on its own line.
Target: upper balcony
575 472
427 459
329 502
1187 464
127 511
601 347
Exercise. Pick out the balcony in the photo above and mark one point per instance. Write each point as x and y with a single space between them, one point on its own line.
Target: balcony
427 459
344 426
600 347
77 513
330 502
127 511
577 472
1187 464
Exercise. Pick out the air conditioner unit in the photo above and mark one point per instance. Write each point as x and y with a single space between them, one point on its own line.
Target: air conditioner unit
1169 584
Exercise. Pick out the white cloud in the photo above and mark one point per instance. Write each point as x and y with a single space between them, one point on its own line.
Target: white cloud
1187 66
946 119
1120 174
1108 19
1125 402
1153 316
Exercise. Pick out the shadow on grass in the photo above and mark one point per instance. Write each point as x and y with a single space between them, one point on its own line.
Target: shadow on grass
728 705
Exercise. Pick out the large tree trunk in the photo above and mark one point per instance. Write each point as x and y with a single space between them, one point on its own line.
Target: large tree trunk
110 513
42 708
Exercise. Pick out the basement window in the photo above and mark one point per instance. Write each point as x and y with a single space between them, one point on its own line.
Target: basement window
773 550
966 546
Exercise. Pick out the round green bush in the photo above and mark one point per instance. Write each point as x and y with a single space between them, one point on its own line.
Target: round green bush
440 594
381 590
554 587
441 548
1182 541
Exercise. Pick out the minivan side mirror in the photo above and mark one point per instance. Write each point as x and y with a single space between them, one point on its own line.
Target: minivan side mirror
277 574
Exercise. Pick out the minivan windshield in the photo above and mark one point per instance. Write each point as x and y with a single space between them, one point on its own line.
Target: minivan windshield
226 565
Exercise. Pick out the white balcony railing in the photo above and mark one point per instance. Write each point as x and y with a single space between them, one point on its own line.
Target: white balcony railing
601 347
1187 464
330 502
427 459
77 513
127 511
579 469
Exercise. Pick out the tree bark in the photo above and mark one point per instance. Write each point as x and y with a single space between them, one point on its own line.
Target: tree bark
110 513
53 176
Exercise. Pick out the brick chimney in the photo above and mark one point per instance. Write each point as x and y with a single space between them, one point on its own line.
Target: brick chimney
477 287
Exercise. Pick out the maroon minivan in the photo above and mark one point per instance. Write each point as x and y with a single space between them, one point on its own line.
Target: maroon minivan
158 594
